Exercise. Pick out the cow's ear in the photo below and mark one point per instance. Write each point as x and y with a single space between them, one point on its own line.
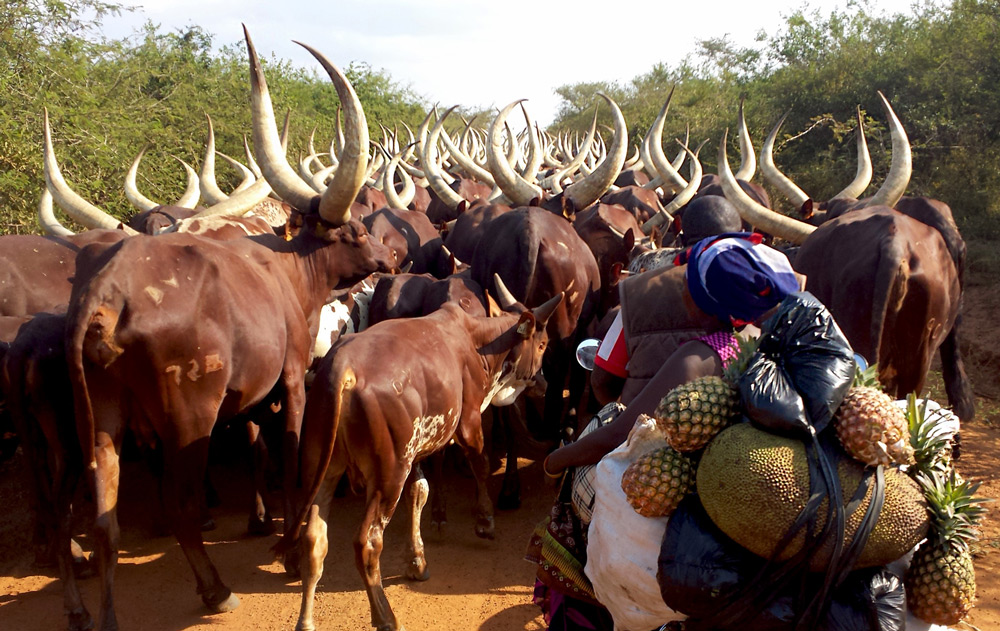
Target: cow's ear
629 240
807 209
568 208
616 273
492 308
526 325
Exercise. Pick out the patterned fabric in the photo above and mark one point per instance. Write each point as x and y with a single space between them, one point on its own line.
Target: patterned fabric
583 478
724 344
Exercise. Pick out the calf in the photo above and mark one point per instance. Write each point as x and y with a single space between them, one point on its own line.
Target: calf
374 414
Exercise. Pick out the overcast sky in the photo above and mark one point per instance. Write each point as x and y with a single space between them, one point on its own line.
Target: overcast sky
482 53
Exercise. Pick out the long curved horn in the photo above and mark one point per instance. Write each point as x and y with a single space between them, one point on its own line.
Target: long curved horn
251 162
238 204
192 193
771 173
555 179
663 167
863 177
684 196
748 162
514 187
898 177
633 162
534 159
275 167
391 197
132 194
335 205
47 217
755 214
307 175
588 190
210 190
82 211
468 164
504 296
248 176
679 160
429 161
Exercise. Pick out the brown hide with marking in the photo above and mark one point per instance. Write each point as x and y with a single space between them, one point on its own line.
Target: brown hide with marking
36 273
470 227
421 198
892 286
414 295
371 198
642 203
373 414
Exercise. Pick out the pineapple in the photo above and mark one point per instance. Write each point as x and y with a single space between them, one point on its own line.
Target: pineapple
657 482
693 413
931 443
870 427
941 581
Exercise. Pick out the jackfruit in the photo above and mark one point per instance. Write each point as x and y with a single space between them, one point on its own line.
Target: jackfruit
753 484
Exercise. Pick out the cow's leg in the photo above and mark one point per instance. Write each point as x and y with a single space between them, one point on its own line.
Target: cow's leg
259 522
103 475
470 437
416 497
368 549
293 406
65 475
510 491
439 513
314 545
956 383
184 475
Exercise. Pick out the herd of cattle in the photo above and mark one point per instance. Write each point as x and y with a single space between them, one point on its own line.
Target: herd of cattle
185 318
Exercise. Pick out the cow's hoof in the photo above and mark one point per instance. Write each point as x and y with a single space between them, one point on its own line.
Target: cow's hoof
257 527
485 528
509 501
291 562
208 524
230 603
80 620
417 571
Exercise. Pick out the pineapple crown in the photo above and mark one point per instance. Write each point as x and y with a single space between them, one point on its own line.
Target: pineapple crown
746 347
867 378
931 445
954 510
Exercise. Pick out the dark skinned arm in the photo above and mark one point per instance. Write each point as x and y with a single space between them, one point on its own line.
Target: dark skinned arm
606 386
692 360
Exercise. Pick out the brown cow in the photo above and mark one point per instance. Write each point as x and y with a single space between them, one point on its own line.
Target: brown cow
375 414
609 232
169 334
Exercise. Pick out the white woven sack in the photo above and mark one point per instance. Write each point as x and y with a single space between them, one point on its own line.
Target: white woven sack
623 546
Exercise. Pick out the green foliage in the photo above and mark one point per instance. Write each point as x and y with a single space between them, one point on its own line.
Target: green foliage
940 69
109 98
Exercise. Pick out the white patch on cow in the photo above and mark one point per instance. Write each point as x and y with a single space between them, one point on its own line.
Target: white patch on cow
332 319
177 373
429 434
503 390
562 245
213 363
172 281
201 225
655 259
155 294
194 374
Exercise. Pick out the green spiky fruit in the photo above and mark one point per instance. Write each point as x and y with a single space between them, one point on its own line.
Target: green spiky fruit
695 412
657 482
941 581
872 429
753 485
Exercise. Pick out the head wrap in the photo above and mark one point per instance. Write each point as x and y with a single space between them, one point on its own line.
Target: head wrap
737 278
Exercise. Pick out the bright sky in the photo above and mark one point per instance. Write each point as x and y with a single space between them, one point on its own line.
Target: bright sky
480 53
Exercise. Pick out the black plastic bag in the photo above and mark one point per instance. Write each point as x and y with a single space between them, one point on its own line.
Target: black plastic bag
869 600
699 568
801 371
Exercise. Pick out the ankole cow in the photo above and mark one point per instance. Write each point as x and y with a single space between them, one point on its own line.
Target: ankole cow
168 335
374 413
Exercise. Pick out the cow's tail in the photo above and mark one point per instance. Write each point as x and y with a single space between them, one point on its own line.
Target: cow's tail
889 292
90 330
318 442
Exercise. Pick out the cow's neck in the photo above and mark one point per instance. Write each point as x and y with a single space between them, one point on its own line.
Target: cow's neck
312 270
494 337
